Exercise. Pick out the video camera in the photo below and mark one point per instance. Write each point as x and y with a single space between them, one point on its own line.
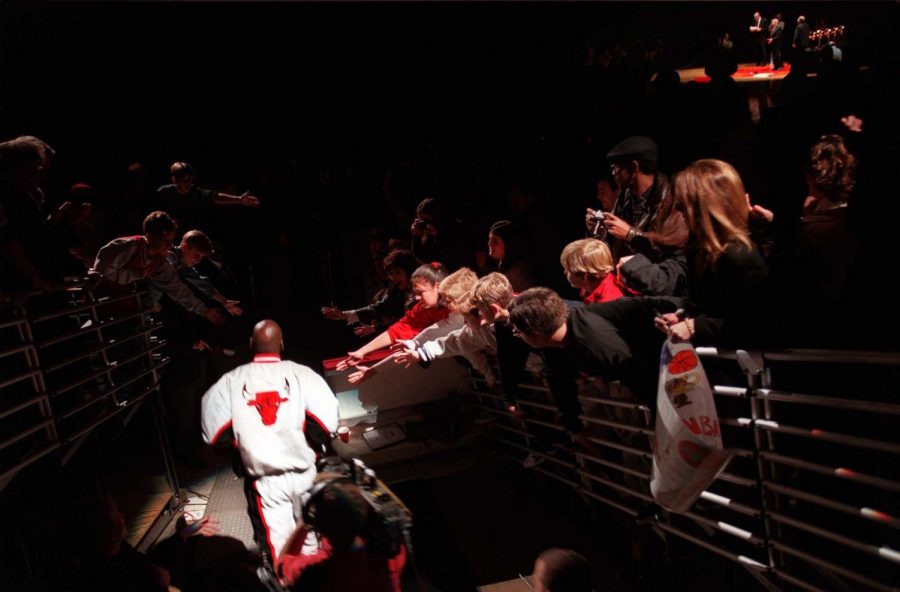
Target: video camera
389 523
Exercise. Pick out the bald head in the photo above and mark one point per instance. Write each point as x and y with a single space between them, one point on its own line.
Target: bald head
266 338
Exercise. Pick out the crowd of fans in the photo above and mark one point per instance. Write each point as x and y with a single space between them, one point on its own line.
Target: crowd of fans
703 255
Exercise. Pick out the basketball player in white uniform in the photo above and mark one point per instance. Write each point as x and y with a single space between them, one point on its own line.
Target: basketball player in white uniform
272 405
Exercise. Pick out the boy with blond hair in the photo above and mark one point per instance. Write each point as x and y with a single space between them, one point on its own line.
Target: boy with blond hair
588 264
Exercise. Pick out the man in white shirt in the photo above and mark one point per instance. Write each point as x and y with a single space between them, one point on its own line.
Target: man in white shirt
272 406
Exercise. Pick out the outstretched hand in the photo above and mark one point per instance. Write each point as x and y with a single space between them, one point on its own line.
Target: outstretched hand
353 359
249 200
362 374
406 357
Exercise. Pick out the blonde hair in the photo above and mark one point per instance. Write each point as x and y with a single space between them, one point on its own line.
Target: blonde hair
711 194
590 256
494 288
455 287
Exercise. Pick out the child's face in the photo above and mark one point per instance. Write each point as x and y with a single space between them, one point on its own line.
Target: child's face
189 255
426 293
472 318
576 279
496 247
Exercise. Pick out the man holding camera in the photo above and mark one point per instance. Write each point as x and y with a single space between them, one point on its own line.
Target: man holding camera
353 554
645 232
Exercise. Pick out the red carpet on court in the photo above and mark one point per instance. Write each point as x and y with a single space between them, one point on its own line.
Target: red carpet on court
747 73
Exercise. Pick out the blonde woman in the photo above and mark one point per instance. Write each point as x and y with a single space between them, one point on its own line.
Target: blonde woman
726 273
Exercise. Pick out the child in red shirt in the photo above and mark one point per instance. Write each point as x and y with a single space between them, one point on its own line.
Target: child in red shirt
427 310
589 267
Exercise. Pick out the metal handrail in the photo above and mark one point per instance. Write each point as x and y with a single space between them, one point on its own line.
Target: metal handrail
87 306
839 472
770 516
833 402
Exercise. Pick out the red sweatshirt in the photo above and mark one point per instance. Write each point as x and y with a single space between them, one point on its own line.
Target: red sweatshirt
416 319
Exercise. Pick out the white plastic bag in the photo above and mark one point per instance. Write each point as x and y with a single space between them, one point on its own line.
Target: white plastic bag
687 447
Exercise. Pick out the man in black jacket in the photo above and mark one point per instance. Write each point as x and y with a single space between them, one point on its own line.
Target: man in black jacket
645 231
758 28
575 340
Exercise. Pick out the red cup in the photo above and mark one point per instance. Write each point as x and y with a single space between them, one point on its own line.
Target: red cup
344 433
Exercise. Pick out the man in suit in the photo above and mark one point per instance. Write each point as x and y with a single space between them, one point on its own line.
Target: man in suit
758 29
776 29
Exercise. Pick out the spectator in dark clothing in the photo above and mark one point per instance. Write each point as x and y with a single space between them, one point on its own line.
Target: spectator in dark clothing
575 340
195 247
27 245
101 560
645 231
352 554
816 264
561 570
726 300
389 304
510 255
437 236
189 204
132 258
773 41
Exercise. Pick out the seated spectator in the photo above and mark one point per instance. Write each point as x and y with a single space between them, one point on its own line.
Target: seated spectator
101 560
128 259
190 204
589 265
561 570
195 246
390 303
353 555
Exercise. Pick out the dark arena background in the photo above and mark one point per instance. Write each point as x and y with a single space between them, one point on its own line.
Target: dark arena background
340 117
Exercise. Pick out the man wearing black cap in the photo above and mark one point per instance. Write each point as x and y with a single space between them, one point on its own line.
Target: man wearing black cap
645 231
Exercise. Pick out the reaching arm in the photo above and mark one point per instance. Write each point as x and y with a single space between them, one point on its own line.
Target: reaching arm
166 278
244 199
380 342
